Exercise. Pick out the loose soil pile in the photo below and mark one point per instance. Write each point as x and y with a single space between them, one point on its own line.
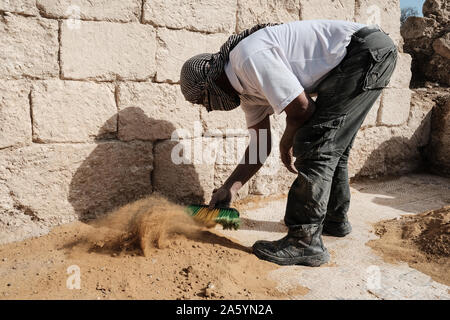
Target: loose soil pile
150 249
423 241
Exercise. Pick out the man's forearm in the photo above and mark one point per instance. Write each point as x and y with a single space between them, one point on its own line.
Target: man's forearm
243 172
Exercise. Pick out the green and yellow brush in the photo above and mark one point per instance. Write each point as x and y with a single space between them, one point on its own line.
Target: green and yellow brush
227 217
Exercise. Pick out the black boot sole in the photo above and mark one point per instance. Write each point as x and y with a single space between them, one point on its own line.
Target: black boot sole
310 261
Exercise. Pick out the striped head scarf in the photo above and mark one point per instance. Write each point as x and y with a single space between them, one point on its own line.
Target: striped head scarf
199 74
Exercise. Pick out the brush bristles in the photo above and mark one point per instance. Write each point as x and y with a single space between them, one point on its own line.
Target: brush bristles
227 217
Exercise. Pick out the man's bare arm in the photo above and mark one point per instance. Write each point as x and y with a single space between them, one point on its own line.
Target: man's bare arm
297 113
254 158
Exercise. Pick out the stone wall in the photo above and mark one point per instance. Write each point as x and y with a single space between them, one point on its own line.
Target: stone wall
427 39
89 99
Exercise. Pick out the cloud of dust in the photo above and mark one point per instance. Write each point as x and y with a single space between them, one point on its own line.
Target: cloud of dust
147 224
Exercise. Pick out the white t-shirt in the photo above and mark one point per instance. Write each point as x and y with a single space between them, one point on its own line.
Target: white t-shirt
274 65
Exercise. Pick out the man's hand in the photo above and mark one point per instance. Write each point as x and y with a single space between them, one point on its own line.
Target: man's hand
221 197
297 113
286 153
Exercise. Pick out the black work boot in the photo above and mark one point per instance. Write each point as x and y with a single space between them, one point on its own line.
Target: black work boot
336 229
303 245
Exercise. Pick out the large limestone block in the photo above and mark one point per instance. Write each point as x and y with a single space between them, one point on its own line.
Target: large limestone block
402 73
276 179
393 150
58 183
230 153
151 111
439 149
327 9
228 123
109 10
372 117
273 177
395 106
230 150
176 46
15 120
17 223
198 15
29 47
73 111
253 12
184 170
26 7
367 157
419 122
107 51
385 13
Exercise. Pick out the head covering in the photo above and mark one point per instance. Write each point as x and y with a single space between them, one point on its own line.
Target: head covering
199 73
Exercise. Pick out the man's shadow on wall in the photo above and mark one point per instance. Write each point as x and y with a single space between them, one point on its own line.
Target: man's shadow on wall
116 173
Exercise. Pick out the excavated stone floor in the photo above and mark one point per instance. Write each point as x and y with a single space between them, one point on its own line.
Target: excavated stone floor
355 270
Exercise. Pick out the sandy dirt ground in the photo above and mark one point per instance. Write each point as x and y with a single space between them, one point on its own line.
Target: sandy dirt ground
149 249
423 241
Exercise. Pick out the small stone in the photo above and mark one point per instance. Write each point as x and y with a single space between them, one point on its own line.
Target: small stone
188 270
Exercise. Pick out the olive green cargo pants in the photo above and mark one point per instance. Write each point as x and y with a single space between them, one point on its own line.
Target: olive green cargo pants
322 146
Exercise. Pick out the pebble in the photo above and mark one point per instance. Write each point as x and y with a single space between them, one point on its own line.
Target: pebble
209 290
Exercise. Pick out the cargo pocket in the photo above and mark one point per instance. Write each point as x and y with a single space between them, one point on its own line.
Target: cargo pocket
317 140
383 64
